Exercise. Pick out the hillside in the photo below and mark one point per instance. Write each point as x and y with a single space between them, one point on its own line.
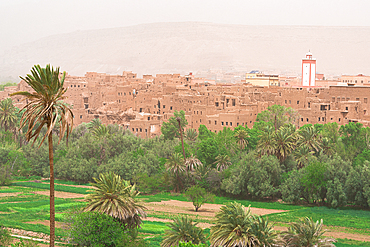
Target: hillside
191 46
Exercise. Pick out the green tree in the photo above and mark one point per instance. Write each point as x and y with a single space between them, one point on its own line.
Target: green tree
175 164
198 196
8 117
241 136
191 135
117 198
309 137
314 181
222 162
278 116
302 155
94 124
267 141
45 107
233 227
170 129
184 230
308 233
285 139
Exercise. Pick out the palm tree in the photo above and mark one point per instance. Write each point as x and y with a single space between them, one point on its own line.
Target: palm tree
94 124
191 135
241 137
222 162
267 143
327 146
301 155
181 136
175 164
182 229
8 118
285 139
46 108
100 132
233 227
117 198
308 233
264 232
192 163
310 136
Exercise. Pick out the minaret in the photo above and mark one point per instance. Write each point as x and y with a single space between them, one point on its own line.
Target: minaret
308 71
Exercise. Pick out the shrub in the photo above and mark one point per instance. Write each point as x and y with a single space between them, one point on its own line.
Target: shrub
5 237
190 244
95 229
25 243
199 196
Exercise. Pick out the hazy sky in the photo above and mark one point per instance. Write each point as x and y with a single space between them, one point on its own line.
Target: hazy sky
29 20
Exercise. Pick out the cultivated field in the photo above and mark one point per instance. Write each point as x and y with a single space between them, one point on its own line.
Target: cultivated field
24 207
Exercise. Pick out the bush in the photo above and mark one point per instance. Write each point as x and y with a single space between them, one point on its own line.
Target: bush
190 244
96 229
25 243
5 237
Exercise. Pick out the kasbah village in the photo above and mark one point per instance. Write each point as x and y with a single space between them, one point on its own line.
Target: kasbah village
142 104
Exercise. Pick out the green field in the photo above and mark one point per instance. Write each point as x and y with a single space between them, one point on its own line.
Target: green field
18 210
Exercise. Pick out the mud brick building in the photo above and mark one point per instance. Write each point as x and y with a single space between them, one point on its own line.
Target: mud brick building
142 104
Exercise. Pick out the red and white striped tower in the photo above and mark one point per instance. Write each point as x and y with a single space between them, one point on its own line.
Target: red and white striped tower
308 71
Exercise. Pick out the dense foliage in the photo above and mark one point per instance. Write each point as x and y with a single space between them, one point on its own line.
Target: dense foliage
324 164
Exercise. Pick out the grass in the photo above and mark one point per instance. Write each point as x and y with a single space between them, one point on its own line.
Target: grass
58 187
27 207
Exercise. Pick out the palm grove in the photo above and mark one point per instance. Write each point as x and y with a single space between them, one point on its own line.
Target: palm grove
322 164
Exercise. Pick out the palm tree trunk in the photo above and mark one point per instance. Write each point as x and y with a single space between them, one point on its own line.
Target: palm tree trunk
182 140
52 205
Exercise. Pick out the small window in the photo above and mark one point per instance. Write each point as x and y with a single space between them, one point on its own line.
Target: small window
133 130
227 123
137 129
333 99
297 102
141 130
290 101
365 100
319 119
80 116
164 106
338 119
231 123
346 108
215 122
307 119
170 107
357 99
301 119
222 123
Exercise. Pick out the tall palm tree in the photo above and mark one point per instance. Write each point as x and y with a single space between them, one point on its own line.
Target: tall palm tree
183 229
267 143
191 135
175 164
241 137
311 137
45 107
222 162
100 132
116 197
94 124
327 146
308 233
285 139
233 227
301 155
8 118
181 136
192 163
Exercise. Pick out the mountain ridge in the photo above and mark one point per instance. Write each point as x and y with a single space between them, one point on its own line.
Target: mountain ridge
181 47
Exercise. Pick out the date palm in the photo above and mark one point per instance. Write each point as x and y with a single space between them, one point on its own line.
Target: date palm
307 233
94 124
233 227
285 139
241 136
264 232
192 163
184 230
116 197
267 143
301 155
8 118
311 137
175 164
327 146
45 107
222 162
191 135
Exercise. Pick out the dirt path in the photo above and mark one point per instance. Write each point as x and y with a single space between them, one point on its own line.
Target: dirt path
59 194
207 210
9 194
71 185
